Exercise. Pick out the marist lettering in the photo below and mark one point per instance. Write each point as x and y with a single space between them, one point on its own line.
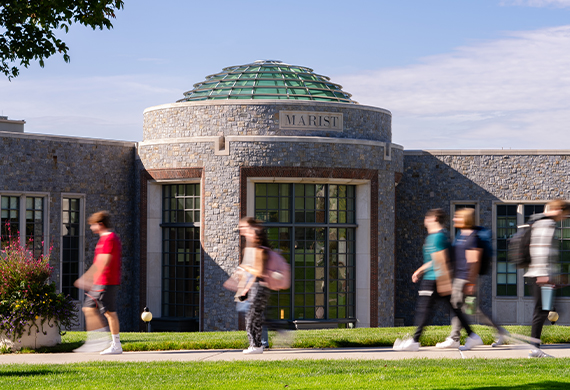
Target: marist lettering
317 120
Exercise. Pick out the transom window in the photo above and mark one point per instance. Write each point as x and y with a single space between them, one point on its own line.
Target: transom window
181 251
314 227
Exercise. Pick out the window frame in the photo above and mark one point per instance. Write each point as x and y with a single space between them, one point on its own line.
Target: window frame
22 195
82 229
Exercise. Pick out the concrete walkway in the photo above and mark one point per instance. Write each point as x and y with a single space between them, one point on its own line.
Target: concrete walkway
379 353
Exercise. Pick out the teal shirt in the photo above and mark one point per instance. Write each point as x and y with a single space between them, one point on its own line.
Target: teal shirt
435 242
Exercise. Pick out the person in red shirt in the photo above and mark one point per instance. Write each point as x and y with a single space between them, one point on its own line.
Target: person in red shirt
102 282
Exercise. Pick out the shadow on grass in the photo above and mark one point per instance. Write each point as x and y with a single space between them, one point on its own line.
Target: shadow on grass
36 372
546 385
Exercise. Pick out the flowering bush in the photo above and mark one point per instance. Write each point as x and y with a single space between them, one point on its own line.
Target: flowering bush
26 296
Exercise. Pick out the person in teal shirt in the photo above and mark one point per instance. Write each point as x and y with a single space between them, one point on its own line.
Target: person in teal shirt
435 283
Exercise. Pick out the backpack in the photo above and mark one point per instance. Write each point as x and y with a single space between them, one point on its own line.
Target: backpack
277 271
519 244
485 242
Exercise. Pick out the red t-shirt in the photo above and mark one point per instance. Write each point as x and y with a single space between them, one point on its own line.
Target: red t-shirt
111 275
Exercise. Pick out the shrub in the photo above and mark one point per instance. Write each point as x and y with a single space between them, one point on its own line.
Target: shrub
27 298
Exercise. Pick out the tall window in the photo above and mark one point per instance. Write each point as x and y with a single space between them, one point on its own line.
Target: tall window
35 224
314 227
71 241
9 218
181 251
506 272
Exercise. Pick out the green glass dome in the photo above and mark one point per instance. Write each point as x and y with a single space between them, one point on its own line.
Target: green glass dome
267 79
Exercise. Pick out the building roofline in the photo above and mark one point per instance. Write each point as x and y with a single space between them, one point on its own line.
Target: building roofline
22 122
263 102
487 152
63 138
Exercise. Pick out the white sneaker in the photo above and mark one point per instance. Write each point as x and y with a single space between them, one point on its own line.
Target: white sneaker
407 345
93 345
500 341
253 350
538 353
448 343
472 341
114 349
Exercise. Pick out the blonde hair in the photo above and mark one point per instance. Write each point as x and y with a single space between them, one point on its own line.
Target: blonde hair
468 216
101 217
558 204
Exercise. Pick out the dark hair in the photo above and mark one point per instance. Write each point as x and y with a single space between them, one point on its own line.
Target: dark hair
439 215
101 217
261 236
558 204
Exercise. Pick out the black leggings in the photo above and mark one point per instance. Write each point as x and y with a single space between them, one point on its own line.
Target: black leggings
426 299
539 315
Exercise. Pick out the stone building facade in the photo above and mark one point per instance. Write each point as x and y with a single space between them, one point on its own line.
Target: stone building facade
342 202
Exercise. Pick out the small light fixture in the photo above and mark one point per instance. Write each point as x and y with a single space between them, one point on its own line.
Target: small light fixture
146 316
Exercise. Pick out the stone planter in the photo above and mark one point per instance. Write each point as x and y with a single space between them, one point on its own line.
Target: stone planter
35 339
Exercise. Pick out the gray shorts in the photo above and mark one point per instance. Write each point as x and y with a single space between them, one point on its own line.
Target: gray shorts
103 298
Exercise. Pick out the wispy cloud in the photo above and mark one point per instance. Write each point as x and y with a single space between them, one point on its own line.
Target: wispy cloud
537 3
511 92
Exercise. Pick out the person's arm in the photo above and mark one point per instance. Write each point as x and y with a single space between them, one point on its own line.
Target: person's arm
473 257
443 275
86 281
420 271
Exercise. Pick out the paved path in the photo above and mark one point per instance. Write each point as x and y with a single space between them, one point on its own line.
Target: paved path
379 353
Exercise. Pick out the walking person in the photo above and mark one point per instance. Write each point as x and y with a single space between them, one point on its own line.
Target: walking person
543 265
252 286
436 282
468 252
102 282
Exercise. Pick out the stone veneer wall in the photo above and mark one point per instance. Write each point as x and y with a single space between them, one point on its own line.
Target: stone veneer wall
198 119
433 179
221 179
101 170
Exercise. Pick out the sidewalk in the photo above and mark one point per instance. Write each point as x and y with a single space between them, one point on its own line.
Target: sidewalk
379 353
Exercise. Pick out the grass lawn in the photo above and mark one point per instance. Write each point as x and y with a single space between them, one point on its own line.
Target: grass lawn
321 374
325 338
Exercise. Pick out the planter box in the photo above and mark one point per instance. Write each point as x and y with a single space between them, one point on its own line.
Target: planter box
35 339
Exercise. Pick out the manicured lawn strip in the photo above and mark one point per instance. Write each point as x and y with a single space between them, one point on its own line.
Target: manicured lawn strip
295 374
324 338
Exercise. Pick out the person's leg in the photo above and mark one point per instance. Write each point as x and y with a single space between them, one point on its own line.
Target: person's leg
457 298
539 315
254 318
426 298
113 320
108 304
93 319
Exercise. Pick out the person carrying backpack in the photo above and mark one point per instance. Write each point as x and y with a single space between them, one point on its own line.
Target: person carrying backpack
435 283
544 259
472 258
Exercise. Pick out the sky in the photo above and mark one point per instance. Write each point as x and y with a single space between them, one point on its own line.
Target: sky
456 74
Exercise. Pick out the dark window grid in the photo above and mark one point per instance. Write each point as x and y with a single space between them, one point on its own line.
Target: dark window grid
273 202
296 296
181 272
563 277
70 246
316 275
279 304
341 205
9 219
310 203
181 203
35 224
506 272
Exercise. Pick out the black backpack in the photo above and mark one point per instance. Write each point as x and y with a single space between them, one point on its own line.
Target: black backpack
519 245
485 242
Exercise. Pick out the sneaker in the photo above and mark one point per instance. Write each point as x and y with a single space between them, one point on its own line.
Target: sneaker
114 349
407 345
538 353
472 341
253 350
500 341
448 343
94 345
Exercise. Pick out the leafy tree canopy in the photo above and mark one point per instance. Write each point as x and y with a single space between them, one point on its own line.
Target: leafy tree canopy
28 27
